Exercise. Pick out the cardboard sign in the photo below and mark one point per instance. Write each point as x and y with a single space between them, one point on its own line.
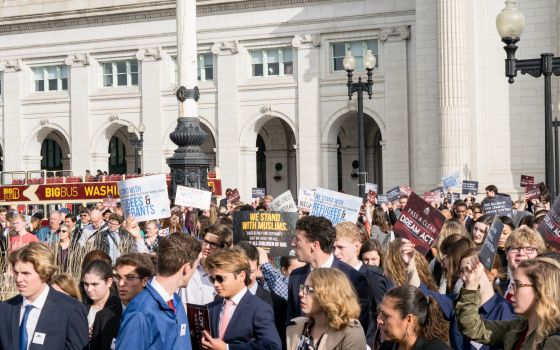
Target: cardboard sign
533 191
371 187
497 205
490 245
549 228
193 198
110 202
284 202
266 229
234 196
394 194
145 198
526 180
257 192
372 197
450 181
199 321
382 199
470 187
305 199
432 197
420 223
335 206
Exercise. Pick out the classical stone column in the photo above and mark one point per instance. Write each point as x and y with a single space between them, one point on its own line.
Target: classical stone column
228 128
247 173
79 114
308 110
151 157
454 109
11 127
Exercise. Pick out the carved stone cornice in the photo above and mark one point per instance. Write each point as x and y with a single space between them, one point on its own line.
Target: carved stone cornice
225 48
13 65
149 54
307 41
77 60
399 32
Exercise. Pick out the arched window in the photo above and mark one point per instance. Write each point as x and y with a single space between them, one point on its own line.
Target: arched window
261 163
51 154
117 156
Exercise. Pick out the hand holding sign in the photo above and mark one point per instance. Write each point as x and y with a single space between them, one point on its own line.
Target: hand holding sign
472 272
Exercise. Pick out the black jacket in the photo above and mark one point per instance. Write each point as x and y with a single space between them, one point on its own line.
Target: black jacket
279 307
107 323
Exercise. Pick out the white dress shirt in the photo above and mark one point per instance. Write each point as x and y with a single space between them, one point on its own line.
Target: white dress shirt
34 314
327 264
160 290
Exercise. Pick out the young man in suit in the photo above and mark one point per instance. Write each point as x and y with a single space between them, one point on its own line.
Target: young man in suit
313 244
40 317
156 318
238 319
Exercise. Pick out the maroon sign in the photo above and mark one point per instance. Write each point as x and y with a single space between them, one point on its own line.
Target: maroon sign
432 197
550 226
372 197
533 191
234 196
420 223
405 190
74 191
526 180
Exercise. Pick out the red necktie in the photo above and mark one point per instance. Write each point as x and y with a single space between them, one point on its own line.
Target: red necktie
171 305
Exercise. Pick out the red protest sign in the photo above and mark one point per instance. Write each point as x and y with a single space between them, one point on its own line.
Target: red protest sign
420 223
405 190
372 197
234 196
432 197
549 228
533 191
526 180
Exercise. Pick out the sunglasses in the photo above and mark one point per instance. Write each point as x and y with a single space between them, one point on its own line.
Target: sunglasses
65 231
217 278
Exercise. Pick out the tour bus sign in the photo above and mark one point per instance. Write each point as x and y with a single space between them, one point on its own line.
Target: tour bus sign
30 193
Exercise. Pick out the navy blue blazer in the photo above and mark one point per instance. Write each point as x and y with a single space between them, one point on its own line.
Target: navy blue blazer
63 320
358 280
251 325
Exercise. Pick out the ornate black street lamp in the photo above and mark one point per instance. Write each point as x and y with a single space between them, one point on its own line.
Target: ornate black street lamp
137 145
510 24
359 87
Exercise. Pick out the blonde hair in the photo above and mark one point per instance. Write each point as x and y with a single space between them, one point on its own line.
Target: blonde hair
526 236
395 267
348 230
67 284
544 274
40 256
336 296
230 260
450 227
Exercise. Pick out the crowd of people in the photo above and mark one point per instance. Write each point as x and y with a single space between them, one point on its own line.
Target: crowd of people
95 280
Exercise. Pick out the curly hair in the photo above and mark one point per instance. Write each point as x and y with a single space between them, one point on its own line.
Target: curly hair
544 274
395 267
526 236
318 229
336 296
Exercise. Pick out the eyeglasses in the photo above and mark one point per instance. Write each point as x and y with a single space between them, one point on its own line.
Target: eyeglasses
216 278
526 250
516 285
126 278
63 231
83 215
306 289
211 244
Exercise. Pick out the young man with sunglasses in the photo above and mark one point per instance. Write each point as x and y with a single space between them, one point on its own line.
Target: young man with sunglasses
238 319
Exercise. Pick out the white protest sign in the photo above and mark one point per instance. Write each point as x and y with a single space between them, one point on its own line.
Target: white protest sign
192 197
305 199
335 206
145 198
284 202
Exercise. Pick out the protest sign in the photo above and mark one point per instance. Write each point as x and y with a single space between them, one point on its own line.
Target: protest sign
305 199
549 228
405 190
452 197
372 197
526 180
258 192
490 245
450 181
192 197
199 321
145 198
371 187
533 191
420 223
284 202
497 205
394 194
234 196
382 199
110 202
335 206
439 189
266 229
432 197
470 187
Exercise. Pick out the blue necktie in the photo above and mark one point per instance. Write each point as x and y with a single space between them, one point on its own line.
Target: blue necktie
22 328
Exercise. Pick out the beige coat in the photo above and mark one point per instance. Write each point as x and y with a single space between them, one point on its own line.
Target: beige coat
350 337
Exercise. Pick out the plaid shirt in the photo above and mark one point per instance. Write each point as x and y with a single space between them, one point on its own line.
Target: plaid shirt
276 282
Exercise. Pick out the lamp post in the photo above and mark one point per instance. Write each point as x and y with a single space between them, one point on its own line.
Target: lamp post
359 87
510 23
137 145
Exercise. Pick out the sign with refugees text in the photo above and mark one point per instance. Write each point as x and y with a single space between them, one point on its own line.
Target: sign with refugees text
470 187
335 206
284 202
257 192
145 198
394 194
305 199
526 180
420 223
193 198
497 205
549 228
490 245
266 229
